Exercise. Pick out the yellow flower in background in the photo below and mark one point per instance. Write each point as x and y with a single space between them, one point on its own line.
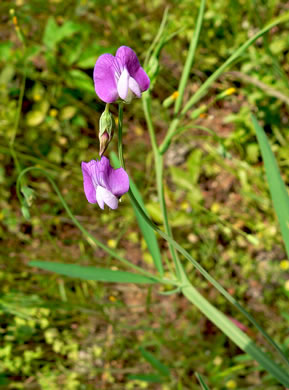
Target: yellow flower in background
175 95
284 265
231 384
230 91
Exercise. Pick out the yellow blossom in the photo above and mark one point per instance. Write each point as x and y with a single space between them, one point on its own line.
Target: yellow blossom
231 384
230 91
284 265
175 95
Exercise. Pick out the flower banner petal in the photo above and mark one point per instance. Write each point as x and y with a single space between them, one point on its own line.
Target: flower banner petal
128 58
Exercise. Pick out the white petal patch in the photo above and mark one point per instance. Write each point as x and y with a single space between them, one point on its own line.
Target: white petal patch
105 196
122 84
133 85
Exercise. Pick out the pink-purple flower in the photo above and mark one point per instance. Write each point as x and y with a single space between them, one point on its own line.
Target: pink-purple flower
120 76
103 184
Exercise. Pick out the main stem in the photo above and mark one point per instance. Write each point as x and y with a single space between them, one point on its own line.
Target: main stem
158 158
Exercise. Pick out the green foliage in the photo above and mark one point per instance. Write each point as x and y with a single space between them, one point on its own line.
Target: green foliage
277 187
92 273
58 332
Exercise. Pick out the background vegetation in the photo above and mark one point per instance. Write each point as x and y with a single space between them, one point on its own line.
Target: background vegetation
64 333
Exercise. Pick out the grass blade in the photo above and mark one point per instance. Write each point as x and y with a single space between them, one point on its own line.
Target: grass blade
155 363
214 282
277 187
147 231
206 85
92 273
235 334
190 58
202 382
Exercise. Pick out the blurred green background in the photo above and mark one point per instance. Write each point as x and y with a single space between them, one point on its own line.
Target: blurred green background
62 333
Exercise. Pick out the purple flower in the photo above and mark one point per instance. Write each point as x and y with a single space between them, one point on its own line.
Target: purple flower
120 76
103 184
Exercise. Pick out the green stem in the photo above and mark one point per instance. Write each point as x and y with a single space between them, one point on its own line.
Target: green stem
157 37
158 158
119 145
209 278
91 238
170 133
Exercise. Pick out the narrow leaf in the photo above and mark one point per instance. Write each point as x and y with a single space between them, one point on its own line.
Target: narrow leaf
147 231
237 53
190 57
202 382
277 187
235 334
154 362
218 286
92 273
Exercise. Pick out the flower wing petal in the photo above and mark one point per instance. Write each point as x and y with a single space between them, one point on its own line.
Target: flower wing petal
133 85
105 196
118 181
88 186
104 78
142 79
99 197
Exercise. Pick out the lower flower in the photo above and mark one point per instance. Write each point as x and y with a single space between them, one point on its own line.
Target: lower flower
104 184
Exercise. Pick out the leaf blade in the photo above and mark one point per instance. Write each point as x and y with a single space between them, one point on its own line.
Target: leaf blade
190 58
202 382
92 273
235 334
237 53
277 187
155 363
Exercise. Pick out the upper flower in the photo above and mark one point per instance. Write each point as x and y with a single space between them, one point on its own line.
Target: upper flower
103 184
120 76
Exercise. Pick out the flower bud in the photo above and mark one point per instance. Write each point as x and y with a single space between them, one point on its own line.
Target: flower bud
106 130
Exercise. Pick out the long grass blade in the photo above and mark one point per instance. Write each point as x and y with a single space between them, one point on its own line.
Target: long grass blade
206 85
155 363
92 273
202 382
190 58
277 187
235 334
216 284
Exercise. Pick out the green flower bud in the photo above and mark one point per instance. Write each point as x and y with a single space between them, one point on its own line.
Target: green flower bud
106 130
